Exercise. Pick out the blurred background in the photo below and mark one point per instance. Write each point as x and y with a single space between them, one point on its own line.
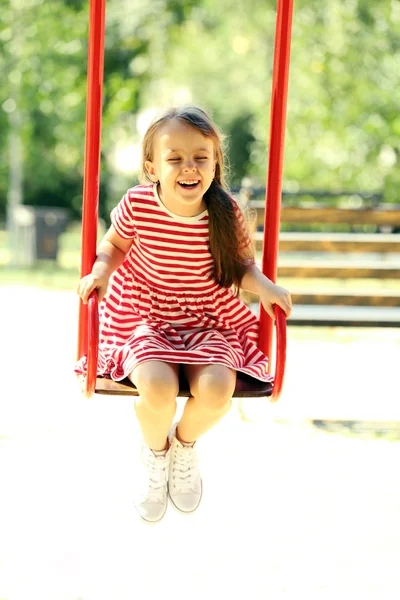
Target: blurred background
341 171
317 502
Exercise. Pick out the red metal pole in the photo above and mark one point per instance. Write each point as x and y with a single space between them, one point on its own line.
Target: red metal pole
92 155
275 162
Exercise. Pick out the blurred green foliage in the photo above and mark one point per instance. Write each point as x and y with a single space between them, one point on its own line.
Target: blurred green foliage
343 123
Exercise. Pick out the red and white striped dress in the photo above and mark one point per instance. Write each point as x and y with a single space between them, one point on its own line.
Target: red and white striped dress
163 303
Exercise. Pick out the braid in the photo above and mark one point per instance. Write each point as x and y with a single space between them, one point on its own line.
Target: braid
231 256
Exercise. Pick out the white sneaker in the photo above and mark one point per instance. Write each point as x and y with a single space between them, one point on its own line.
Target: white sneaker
184 481
152 495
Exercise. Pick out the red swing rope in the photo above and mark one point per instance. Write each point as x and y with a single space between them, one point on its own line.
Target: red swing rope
280 80
88 314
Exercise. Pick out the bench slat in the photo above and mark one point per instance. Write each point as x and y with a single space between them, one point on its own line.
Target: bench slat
355 216
349 270
339 298
333 242
354 316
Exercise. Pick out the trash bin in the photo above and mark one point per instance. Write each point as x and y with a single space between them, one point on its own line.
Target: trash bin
34 233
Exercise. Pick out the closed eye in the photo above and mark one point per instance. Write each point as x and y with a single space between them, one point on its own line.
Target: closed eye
197 158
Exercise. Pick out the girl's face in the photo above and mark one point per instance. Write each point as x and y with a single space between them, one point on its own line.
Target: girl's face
184 164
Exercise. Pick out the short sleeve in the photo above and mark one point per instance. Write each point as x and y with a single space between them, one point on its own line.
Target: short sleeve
122 217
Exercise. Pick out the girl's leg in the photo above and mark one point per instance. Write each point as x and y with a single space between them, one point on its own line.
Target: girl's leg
158 385
212 387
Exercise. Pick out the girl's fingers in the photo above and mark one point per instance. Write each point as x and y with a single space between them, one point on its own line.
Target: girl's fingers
84 290
89 283
286 304
283 300
269 309
286 307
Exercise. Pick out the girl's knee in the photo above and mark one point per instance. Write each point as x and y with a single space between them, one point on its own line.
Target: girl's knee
158 387
215 391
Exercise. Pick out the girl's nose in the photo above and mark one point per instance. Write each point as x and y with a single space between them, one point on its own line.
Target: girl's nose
189 166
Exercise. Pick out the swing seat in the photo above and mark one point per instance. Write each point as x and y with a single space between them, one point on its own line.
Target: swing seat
246 387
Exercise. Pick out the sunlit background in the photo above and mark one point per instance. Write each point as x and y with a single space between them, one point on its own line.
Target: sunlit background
301 498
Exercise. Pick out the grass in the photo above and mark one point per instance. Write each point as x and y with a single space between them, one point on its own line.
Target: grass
62 274
44 275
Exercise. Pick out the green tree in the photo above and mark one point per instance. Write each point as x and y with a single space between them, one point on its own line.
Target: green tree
43 51
343 121
344 98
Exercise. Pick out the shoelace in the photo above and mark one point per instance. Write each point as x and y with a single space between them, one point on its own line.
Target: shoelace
157 469
184 468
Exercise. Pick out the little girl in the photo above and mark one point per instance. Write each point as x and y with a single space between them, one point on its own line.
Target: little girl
168 272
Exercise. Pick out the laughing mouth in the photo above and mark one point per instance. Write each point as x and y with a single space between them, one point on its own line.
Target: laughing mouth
189 184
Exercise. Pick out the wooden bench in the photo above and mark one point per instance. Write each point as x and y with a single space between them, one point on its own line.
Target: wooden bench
338 277
378 215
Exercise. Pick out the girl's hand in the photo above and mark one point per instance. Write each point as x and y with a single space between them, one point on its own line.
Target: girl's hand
274 294
92 282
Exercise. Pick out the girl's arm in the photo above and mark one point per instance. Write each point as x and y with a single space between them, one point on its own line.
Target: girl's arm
110 255
270 293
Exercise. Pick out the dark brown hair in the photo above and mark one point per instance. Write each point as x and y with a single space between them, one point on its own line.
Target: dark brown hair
228 233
